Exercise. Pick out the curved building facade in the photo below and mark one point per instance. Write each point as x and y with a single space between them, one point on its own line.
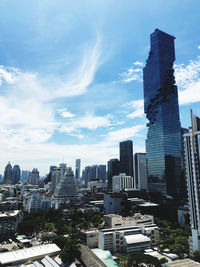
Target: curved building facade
163 143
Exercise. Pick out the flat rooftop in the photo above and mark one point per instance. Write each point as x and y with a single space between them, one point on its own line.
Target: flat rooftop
138 238
183 263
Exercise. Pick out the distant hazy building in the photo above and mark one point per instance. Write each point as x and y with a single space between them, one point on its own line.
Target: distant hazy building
113 168
34 177
24 175
102 173
8 174
140 171
78 169
192 168
121 182
57 175
126 157
16 174
87 175
66 190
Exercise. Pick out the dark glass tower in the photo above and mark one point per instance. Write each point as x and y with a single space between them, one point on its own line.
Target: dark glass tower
163 143
113 168
126 157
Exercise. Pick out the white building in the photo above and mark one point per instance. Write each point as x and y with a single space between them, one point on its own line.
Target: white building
192 167
57 176
121 181
140 170
66 190
36 201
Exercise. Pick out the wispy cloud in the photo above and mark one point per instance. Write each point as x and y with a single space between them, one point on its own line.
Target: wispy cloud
138 108
188 81
133 73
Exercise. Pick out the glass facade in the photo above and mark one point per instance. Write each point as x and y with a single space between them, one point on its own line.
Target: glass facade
126 157
163 143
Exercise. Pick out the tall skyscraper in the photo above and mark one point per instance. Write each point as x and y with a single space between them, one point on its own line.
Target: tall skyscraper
8 174
163 143
34 177
140 170
78 169
192 169
102 173
16 173
113 168
126 157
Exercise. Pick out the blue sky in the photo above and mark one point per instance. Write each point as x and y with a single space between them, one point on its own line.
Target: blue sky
71 76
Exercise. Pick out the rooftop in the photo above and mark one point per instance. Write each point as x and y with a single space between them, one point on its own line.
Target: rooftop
138 238
8 258
183 263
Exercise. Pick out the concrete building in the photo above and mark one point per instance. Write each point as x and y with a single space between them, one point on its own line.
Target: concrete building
121 182
114 203
124 239
90 238
9 222
38 202
140 170
192 169
66 190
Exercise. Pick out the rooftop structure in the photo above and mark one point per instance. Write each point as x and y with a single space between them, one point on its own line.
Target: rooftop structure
20 256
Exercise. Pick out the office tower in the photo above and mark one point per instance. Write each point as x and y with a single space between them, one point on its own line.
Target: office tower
16 174
192 170
24 176
34 177
163 143
113 168
126 157
87 175
52 168
94 172
140 170
102 173
8 174
78 169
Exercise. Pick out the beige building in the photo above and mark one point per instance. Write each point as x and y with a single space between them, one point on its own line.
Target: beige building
9 222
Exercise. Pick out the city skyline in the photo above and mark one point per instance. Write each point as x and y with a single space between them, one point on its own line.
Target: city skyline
68 93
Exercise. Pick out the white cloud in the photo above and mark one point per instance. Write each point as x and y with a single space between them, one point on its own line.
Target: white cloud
198 46
134 73
124 133
64 113
138 108
188 81
138 63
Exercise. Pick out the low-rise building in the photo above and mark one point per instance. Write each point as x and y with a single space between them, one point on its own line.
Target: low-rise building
9 222
121 182
114 203
90 238
117 228
35 202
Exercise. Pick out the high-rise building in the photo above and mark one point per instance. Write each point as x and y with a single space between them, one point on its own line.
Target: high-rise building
87 175
16 173
126 157
24 176
163 143
8 174
78 169
113 168
34 177
102 173
192 169
140 170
